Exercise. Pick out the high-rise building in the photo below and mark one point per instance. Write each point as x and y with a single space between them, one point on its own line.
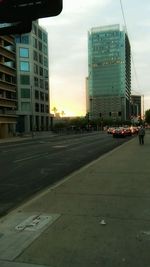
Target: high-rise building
7 86
32 80
109 73
136 102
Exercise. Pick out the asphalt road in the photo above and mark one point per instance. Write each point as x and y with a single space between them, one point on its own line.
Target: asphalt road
29 166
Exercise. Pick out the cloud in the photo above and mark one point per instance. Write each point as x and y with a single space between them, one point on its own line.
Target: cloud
74 12
144 23
142 46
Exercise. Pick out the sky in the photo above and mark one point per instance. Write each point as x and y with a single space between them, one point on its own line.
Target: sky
68 48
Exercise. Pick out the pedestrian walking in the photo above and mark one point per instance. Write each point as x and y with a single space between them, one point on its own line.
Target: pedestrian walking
141 135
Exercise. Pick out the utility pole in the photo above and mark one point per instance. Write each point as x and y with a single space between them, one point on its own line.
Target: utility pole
143 106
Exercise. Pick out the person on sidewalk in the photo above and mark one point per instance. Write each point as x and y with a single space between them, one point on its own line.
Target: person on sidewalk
141 134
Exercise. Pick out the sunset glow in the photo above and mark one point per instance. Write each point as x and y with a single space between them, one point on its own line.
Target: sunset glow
68 48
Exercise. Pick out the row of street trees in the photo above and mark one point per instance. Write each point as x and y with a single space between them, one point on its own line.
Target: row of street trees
147 116
57 113
88 124
81 124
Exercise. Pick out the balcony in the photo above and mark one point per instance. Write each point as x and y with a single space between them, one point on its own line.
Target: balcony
8 38
7 53
7 70
7 86
8 103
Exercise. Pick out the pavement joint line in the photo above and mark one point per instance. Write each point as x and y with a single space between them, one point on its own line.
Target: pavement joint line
8 263
104 195
103 216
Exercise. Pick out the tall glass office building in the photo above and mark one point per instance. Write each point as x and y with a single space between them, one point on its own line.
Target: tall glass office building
32 80
109 73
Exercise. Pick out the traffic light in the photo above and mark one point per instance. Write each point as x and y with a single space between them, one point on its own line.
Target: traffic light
24 10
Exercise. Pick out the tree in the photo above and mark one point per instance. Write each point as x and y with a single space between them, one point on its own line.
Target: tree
147 116
54 109
62 113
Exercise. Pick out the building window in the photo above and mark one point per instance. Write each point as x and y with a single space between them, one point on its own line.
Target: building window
45 73
22 39
36 94
18 39
46 85
41 71
24 52
8 78
45 37
25 79
35 68
25 39
36 81
36 107
42 107
40 46
25 106
47 109
46 97
45 49
24 66
45 62
35 55
40 34
34 42
41 59
41 84
25 93
41 96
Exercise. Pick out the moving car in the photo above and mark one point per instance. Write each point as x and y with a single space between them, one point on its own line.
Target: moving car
110 130
119 132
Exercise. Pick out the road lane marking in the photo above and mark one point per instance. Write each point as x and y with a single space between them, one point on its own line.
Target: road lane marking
24 159
60 146
32 157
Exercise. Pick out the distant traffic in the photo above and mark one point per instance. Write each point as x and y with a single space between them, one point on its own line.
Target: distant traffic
123 131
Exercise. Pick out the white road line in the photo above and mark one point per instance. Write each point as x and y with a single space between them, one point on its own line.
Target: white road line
24 159
60 146
37 156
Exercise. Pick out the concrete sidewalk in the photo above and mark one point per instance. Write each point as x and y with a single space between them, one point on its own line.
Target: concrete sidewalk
98 216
